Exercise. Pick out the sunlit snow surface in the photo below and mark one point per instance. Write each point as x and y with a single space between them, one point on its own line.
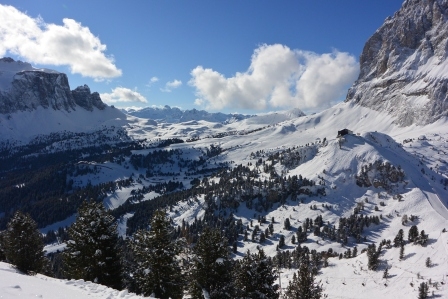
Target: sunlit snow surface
376 137
17 285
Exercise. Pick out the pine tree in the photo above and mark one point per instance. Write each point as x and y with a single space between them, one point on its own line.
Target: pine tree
401 252
287 224
2 246
373 257
210 276
423 291
92 252
413 233
428 262
398 240
386 273
255 277
302 285
157 270
281 241
23 244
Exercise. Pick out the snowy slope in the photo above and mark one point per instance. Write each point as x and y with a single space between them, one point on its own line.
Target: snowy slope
24 125
17 285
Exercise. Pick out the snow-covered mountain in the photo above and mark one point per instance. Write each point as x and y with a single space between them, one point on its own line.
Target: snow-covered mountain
392 167
25 88
39 101
169 114
404 65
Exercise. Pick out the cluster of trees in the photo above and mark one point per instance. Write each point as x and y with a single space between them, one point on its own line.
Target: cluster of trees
414 237
157 263
35 176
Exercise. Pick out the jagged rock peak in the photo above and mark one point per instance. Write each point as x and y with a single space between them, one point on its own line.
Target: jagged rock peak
403 65
25 88
87 100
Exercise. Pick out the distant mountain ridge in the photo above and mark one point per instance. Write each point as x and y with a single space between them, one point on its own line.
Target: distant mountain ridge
169 114
404 65
175 115
25 88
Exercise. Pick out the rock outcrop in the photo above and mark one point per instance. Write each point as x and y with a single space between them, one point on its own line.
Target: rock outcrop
24 88
404 65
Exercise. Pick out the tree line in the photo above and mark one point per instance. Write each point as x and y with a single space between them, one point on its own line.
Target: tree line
153 261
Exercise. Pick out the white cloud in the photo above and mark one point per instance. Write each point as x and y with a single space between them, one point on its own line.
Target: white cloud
122 94
278 77
152 81
169 86
69 44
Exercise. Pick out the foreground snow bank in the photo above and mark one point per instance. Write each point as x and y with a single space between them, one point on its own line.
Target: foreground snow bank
16 285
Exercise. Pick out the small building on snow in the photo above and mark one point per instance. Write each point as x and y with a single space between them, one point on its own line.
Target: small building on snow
344 132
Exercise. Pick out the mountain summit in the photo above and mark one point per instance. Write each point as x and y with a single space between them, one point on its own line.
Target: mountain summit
404 65
25 88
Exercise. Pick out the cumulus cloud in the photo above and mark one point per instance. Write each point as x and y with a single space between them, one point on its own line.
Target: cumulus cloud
278 77
69 44
169 86
122 94
153 79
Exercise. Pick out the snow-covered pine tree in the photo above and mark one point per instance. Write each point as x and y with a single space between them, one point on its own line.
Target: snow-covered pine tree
302 285
157 270
23 244
92 253
210 275
255 277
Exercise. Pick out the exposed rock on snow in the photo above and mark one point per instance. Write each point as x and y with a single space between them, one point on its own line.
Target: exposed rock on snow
25 88
404 66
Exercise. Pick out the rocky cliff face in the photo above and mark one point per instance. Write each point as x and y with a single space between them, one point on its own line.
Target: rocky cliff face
24 88
404 65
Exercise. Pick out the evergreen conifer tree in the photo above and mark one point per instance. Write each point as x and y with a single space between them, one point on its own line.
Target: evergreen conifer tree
2 247
157 270
302 285
398 240
210 275
423 291
413 233
401 252
372 256
92 253
255 277
23 244
281 241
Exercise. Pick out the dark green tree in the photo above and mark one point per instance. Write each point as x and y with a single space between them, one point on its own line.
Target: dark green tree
422 239
281 241
373 257
401 252
255 277
303 285
210 273
413 233
428 262
398 240
23 244
155 253
423 291
92 253
287 224
2 246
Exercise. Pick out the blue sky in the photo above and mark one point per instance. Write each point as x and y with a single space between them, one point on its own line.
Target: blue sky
232 56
